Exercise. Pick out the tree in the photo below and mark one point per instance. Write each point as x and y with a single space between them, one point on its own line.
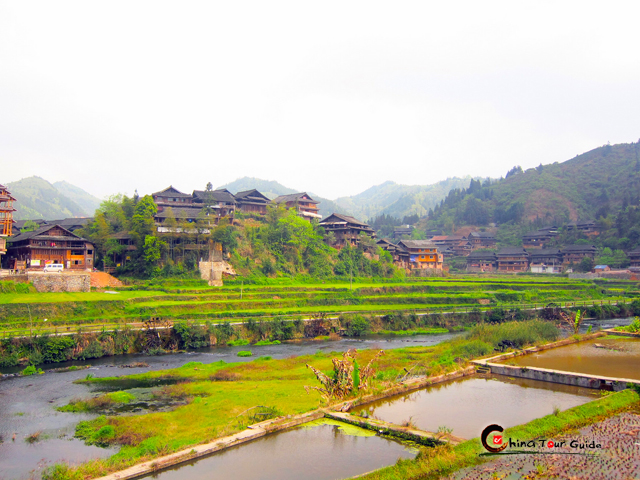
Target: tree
586 264
29 226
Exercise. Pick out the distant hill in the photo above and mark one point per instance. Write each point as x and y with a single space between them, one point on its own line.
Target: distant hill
399 200
85 200
37 198
273 189
585 188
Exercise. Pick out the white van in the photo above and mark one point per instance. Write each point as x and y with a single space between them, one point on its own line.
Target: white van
54 267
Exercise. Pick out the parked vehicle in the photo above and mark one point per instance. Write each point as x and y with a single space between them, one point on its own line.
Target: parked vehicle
54 267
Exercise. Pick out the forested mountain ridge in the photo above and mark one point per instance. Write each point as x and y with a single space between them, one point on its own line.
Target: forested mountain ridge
37 198
390 198
586 188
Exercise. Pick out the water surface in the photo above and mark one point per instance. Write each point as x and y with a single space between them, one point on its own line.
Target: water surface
620 358
468 405
322 452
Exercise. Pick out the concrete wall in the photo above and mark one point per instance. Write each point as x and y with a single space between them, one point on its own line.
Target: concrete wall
61 282
212 272
565 378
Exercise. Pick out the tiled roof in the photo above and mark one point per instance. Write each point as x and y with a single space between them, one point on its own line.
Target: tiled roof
295 197
344 218
218 195
170 192
40 231
512 251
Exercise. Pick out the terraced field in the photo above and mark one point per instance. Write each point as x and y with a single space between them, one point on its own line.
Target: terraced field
195 301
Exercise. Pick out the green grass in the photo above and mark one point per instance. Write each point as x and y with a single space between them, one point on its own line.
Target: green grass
218 394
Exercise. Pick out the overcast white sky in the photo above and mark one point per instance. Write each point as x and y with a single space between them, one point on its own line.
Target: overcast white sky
330 97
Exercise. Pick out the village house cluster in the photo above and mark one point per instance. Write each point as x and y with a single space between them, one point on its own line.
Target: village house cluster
54 241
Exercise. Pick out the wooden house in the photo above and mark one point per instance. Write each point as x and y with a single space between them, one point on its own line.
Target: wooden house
305 206
573 254
419 254
390 247
50 244
171 197
252 201
6 217
545 260
512 259
482 261
540 238
221 202
346 229
482 240
588 228
402 232
634 257
182 215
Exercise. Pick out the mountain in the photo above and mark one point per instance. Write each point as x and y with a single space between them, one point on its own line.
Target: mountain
399 200
273 189
86 201
270 188
37 198
585 188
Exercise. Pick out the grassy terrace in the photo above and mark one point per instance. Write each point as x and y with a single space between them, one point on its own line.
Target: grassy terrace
194 300
219 397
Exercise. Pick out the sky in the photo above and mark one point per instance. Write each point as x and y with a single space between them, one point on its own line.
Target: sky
328 97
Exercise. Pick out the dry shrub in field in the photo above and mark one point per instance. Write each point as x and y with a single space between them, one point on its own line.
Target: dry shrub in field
224 376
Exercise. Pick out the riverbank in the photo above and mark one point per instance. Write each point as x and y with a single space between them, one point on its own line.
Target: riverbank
218 394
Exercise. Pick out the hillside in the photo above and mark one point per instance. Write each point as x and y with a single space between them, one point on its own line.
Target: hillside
585 188
85 200
397 200
273 189
37 198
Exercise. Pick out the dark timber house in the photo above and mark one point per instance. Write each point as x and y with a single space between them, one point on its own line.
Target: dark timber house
347 230
6 217
513 259
50 244
539 238
481 261
252 201
305 206
634 257
573 254
547 260
482 240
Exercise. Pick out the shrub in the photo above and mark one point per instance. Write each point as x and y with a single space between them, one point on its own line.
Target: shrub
358 327
31 370
245 353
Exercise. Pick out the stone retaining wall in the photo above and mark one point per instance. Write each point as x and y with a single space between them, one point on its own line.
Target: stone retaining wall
61 282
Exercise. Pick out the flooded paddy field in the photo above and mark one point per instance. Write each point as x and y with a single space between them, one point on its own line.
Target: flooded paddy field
618 457
468 405
317 451
28 404
611 356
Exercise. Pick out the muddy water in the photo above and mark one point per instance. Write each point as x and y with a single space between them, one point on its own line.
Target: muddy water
620 358
468 405
321 452
27 404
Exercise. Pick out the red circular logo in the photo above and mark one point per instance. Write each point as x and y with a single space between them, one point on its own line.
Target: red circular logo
550 444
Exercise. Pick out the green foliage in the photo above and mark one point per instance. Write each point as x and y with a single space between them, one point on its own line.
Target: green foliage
190 336
358 326
517 333
245 353
31 370
7 286
356 375
238 343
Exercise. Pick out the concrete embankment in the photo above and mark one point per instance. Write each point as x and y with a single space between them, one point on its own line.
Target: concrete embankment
552 375
406 433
